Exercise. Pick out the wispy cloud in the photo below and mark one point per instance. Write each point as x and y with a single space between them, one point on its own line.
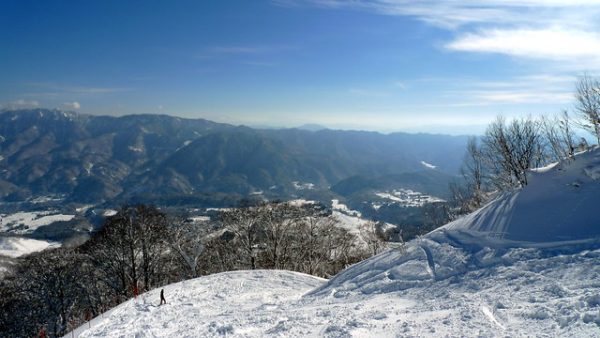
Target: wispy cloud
455 13
20 104
565 31
400 84
367 92
532 89
78 89
489 97
242 50
237 50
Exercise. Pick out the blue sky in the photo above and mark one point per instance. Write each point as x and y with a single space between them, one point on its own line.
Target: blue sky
386 65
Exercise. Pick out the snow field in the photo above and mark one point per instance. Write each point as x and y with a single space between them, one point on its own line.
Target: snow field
407 198
19 246
28 222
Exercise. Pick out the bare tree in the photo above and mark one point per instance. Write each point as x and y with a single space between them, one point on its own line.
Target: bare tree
372 235
511 150
48 285
244 224
587 94
129 249
280 227
310 257
187 239
559 135
473 171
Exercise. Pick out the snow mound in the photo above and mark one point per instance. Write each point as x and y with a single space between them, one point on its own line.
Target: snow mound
559 204
458 286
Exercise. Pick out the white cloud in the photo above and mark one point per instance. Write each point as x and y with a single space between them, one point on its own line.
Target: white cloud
552 43
455 13
71 105
553 30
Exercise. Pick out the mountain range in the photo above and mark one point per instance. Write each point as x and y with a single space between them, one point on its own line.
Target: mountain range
92 159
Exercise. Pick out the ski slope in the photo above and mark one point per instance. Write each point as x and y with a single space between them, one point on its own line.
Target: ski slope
525 265
519 293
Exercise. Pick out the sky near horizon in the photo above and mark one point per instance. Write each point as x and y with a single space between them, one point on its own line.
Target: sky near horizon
386 65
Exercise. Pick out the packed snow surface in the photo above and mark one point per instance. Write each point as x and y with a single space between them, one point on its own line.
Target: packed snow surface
526 265
435 288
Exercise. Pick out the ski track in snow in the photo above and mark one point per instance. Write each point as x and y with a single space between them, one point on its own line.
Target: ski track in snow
525 265
513 292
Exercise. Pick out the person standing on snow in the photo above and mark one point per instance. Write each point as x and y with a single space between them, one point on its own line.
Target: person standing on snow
162 297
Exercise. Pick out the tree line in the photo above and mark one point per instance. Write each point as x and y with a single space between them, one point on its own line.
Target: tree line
141 248
501 159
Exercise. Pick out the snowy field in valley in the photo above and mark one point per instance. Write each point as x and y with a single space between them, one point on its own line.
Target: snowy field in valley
343 208
525 265
406 198
19 246
27 222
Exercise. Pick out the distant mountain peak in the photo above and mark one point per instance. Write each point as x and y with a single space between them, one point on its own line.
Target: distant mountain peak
312 127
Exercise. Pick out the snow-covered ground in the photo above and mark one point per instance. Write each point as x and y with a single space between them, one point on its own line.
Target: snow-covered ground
406 198
516 293
109 212
200 219
28 222
525 265
428 165
19 246
336 205
303 185
559 204
242 303
300 202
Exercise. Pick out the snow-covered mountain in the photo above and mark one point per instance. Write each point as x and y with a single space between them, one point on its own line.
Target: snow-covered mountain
526 264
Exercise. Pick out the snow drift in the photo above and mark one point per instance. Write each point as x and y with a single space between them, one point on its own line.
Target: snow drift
559 204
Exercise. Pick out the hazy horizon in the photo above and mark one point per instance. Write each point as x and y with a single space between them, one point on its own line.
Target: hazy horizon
378 65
